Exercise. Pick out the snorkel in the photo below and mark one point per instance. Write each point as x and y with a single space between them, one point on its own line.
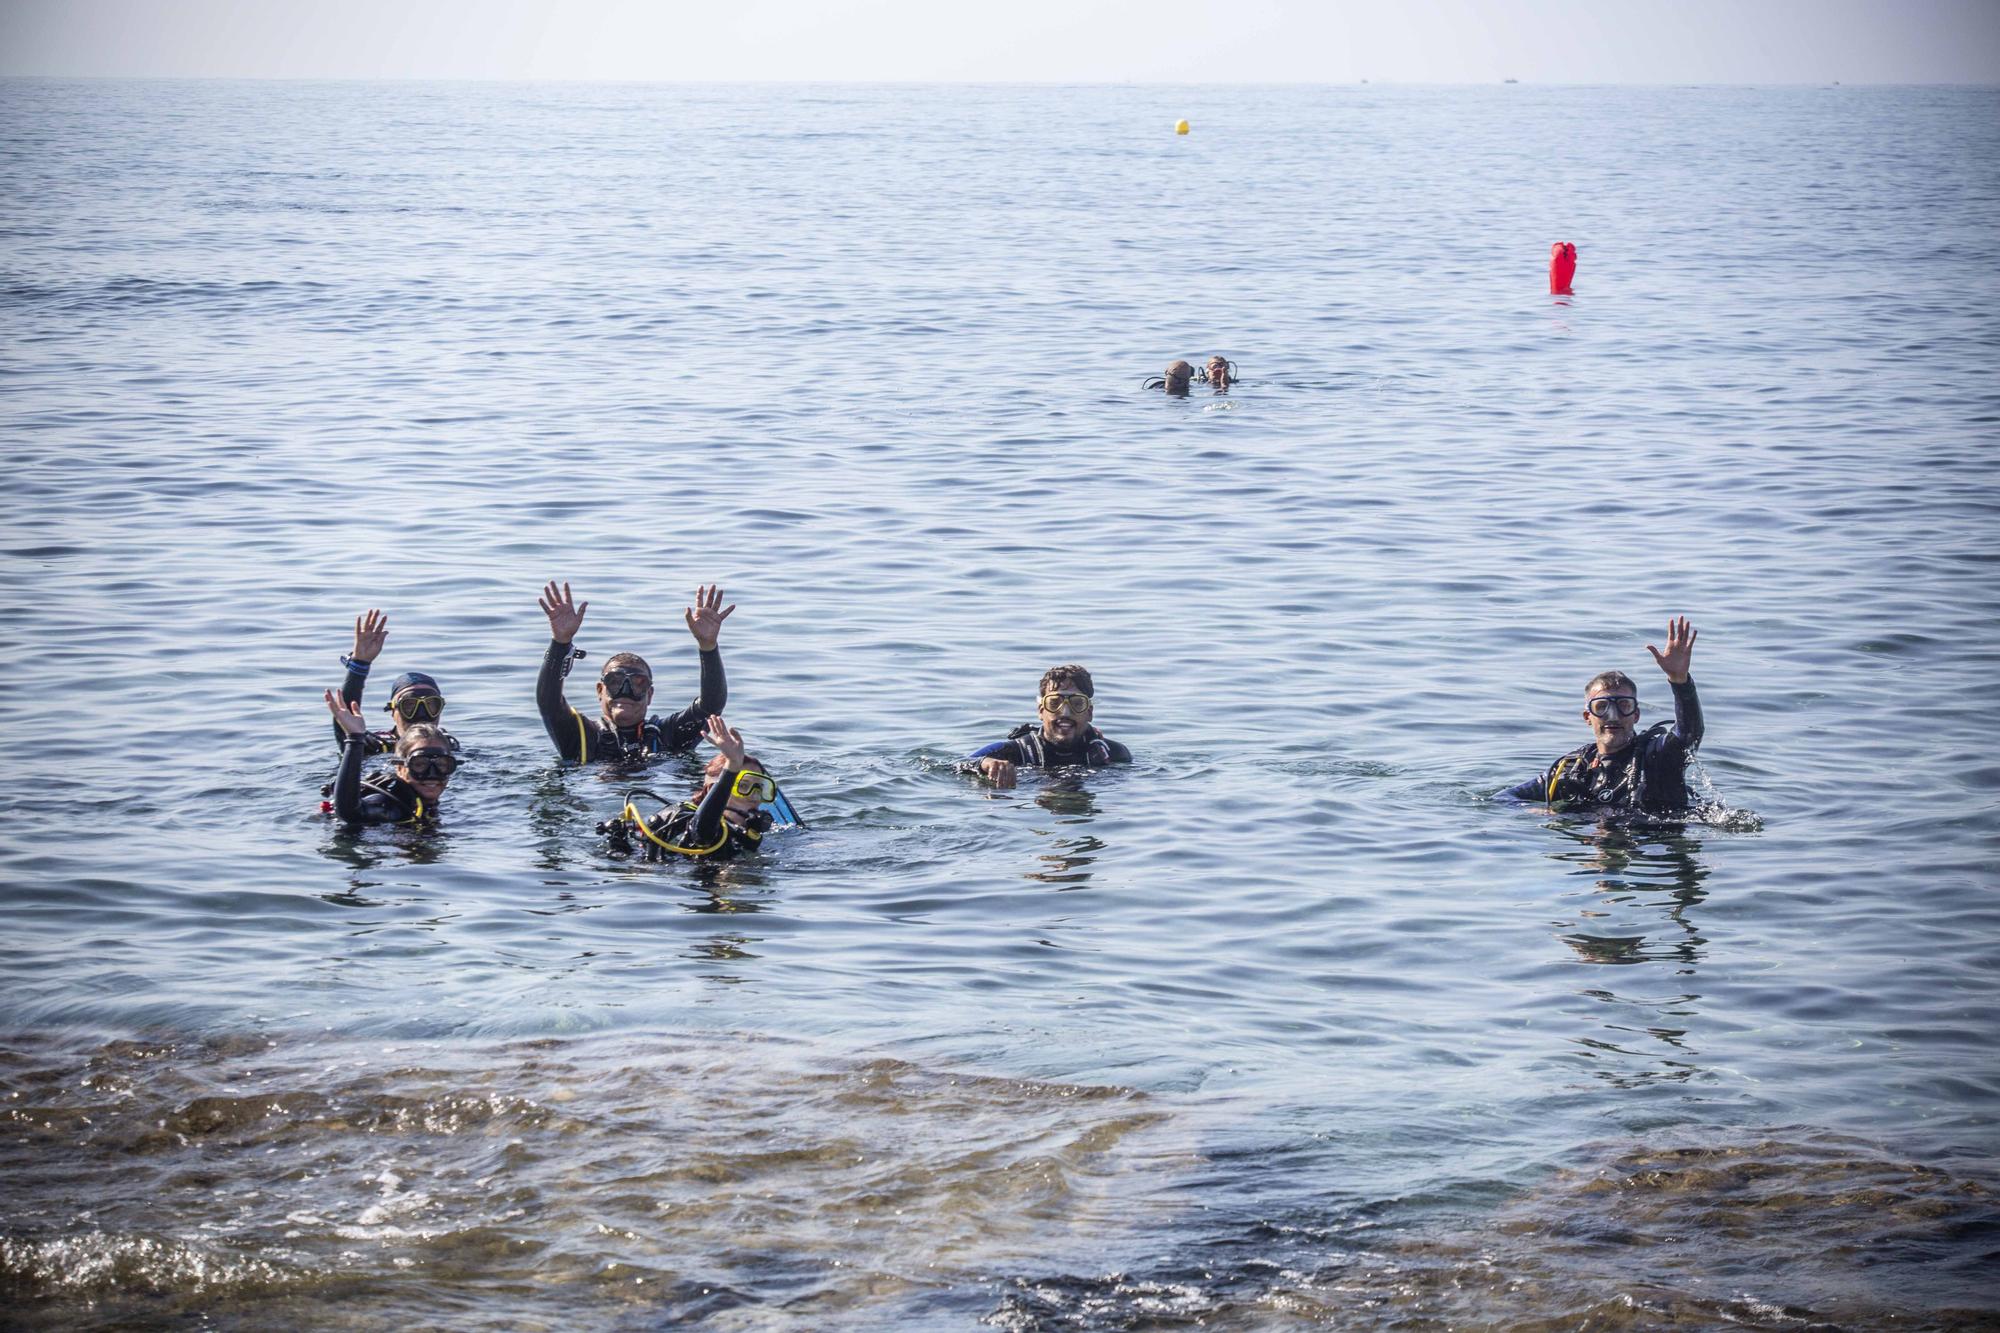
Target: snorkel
752 789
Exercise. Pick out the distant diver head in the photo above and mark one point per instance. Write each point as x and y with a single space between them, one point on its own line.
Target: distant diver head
625 689
1179 375
1218 371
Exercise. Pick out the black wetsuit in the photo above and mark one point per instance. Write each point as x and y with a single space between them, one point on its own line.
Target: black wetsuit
378 742
1649 775
1027 747
383 798
691 830
580 739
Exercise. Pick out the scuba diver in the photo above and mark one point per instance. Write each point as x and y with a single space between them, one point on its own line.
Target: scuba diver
1623 768
1063 737
413 696
625 689
1219 371
407 794
736 806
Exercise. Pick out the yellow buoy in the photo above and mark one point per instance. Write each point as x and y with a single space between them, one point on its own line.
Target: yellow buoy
1180 127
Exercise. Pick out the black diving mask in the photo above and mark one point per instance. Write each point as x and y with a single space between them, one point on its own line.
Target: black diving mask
430 765
626 684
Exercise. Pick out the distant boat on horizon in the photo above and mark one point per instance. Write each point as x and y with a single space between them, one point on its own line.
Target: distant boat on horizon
1510 80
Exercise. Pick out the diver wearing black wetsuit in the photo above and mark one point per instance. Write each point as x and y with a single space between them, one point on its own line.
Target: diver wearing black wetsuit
699 831
1648 776
381 798
1028 747
1065 704
580 739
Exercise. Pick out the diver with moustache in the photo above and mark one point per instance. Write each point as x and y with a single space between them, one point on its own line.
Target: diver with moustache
1063 735
414 696
1623 768
622 731
407 794
727 817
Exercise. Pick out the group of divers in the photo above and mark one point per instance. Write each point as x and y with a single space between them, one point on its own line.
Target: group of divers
1621 770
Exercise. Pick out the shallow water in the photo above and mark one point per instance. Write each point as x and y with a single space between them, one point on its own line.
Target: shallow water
1288 1023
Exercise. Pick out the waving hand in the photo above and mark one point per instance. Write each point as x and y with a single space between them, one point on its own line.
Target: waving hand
727 739
346 716
1680 649
370 633
565 613
705 617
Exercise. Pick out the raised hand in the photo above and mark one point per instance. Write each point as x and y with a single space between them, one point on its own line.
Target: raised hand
1000 772
564 612
727 739
346 716
704 619
370 633
1680 649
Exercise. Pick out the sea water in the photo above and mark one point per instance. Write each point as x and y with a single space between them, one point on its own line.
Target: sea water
1289 1022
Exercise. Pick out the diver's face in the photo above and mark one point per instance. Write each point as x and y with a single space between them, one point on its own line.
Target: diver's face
1613 716
428 770
408 708
1218 373
625 696
1069 718
739 808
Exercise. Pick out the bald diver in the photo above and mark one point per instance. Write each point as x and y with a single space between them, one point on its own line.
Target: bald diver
622 732
1218 373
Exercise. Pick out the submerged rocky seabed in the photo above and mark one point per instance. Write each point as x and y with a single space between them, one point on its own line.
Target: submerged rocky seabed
567 1184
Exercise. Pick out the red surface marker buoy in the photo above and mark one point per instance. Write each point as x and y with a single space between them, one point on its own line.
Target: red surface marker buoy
1562 268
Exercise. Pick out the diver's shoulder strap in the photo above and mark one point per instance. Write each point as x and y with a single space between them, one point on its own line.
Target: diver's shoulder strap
1569 764
392 788
1029 737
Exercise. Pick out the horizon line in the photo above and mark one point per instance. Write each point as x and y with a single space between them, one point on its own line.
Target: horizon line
975 83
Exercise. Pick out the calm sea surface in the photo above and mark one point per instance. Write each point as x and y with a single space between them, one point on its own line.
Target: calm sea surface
1289 1023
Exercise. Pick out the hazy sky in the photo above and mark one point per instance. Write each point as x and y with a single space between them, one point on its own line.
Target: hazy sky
1222 41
